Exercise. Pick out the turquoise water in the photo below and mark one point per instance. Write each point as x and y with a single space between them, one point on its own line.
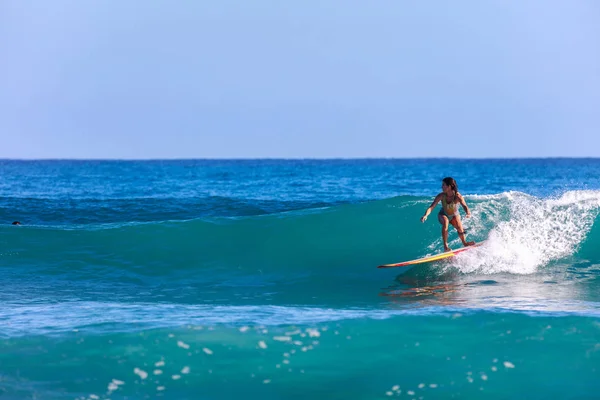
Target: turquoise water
257 279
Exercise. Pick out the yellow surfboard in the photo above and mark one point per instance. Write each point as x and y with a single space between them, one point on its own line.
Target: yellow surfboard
428 259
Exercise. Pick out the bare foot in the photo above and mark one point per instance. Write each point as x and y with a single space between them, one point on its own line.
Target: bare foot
469 244
446 248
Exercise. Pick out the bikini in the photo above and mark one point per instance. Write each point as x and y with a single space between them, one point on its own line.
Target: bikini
450 210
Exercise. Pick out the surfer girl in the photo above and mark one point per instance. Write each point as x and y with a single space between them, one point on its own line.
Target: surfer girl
449 214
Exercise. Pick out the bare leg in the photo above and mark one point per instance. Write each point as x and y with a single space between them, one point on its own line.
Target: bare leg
457 223
444 221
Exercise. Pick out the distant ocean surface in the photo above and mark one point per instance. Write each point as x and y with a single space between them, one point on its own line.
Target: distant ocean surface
197 279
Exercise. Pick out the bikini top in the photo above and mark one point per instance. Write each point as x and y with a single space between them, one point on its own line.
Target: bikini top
450 208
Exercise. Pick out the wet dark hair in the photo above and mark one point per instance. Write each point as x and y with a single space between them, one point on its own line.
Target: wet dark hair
452 183
16 223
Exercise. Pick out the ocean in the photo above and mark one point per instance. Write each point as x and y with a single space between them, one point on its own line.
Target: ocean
220 279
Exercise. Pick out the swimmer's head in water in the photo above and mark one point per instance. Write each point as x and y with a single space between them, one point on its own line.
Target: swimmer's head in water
16 223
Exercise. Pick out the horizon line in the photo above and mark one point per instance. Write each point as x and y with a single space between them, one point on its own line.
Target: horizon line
298 158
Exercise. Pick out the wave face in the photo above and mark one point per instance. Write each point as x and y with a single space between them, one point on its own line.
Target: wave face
310 248
128 279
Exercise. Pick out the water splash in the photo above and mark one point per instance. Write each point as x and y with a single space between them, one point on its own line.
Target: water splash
528 233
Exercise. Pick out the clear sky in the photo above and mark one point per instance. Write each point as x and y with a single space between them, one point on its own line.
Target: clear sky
310 78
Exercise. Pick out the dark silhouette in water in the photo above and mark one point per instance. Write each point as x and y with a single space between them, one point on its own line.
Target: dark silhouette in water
16 223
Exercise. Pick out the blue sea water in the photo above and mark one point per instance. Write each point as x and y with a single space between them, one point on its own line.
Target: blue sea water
224 279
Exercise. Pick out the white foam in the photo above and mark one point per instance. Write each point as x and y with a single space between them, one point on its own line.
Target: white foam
112 387
313 332
505 195
183 345
141 373
526 233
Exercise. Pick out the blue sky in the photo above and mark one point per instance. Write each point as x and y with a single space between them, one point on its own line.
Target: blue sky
261 78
